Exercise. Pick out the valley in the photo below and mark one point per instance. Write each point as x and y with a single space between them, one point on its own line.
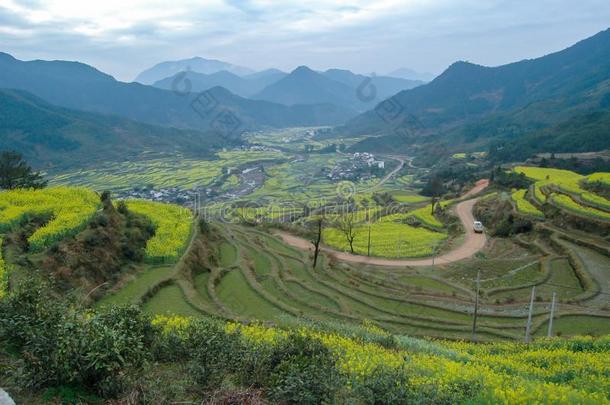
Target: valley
415 275
263 231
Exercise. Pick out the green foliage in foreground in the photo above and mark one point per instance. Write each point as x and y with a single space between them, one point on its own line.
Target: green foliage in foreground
56 345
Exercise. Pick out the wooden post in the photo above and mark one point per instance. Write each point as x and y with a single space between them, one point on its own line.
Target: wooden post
550 331
528 327
368 249
476 308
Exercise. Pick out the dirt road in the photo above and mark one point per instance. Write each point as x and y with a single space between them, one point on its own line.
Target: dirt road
392 173
473 242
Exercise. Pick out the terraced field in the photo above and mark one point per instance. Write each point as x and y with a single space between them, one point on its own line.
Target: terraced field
564 190
256 276
162 172
243 272
68 209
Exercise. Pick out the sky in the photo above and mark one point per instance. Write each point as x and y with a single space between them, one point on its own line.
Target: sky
124 37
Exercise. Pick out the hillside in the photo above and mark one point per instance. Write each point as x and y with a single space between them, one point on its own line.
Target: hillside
48 135
197 64
471 103
582 133
108 348
79 86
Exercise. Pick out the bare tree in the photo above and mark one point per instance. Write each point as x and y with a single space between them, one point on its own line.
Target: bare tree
347 226
316 242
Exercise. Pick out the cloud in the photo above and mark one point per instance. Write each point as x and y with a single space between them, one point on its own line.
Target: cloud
126 36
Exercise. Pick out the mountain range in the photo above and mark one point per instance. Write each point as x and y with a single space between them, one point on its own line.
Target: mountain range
51 136
474 105
301 86
197 64
558 102
244 86
78 86
334 86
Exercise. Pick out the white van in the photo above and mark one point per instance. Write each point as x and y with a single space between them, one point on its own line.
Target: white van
478 227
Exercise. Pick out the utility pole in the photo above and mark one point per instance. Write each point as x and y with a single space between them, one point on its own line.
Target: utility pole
528 327
476 308
550 331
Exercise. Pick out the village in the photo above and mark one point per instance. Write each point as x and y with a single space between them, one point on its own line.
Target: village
358 166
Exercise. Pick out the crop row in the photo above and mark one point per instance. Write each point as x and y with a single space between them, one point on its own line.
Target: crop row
162 172
524 206
68 208
550 371
172 228
388 239
565 202
566 182
601 178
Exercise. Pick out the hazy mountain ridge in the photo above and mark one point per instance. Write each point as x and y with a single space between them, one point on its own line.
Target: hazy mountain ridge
302 86
197 64
335 86
242 86
79 86
410 74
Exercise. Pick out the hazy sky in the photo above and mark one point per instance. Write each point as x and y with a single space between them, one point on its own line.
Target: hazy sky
123 37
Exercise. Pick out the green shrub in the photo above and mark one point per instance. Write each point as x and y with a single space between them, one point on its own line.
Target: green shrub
215 353
385 386
302 371
63 345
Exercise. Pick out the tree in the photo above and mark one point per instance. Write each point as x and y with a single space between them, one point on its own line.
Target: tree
347 227
435 189
16 173
316 242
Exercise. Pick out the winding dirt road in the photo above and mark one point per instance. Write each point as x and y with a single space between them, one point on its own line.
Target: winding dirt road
473 242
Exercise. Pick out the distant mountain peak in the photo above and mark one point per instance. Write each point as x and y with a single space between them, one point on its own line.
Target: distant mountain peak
302 70
463 66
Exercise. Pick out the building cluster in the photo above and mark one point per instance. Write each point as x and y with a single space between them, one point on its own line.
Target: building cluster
173 195
359 166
